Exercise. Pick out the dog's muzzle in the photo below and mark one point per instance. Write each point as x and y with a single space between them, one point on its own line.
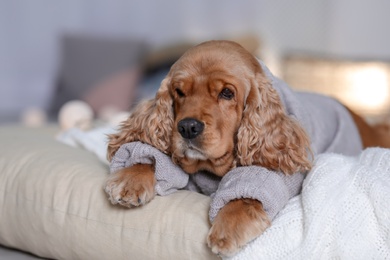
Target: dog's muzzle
190 128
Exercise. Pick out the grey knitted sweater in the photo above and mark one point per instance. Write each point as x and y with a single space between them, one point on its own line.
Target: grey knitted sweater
327 122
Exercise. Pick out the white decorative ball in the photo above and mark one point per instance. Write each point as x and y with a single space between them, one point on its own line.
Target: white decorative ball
75 114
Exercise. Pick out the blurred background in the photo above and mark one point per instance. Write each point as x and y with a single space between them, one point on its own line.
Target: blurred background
113 53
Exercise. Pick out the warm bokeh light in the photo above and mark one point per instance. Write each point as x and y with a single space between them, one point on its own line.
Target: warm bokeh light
368 88
361 85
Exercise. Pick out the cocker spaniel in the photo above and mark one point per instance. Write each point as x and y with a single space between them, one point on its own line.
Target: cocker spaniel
217 110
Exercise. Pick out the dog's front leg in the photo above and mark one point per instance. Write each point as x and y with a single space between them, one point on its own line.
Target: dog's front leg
237 223
133 186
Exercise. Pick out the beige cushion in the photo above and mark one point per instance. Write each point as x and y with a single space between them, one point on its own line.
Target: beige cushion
52 204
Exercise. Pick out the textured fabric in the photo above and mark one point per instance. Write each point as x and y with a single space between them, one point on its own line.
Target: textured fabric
52 204
273 189
342 213
330 127
169 176
94 140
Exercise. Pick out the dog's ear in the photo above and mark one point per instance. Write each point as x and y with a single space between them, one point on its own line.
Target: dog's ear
268 136
151 122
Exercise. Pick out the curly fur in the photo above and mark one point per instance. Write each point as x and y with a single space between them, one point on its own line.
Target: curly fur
151 122
268 137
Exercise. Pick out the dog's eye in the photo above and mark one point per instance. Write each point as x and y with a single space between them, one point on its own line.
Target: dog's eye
226 94
179 93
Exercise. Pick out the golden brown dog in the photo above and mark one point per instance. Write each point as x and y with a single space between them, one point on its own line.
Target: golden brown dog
207 116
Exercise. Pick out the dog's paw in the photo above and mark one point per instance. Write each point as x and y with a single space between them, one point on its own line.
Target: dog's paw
131 187
236 224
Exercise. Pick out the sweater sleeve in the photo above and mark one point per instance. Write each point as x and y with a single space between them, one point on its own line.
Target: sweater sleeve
272 189
169 176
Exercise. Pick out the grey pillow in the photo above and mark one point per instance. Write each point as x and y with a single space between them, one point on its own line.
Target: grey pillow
88 60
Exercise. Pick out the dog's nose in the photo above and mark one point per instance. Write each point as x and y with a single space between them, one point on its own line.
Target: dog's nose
190 128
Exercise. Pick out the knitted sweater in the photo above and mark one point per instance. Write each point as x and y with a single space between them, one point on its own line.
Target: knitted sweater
327 122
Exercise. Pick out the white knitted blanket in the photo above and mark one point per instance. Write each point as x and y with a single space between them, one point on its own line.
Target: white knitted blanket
343 212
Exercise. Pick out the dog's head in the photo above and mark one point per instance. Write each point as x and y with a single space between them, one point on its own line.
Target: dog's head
215 110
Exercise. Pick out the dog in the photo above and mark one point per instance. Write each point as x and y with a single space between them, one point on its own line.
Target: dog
218 109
